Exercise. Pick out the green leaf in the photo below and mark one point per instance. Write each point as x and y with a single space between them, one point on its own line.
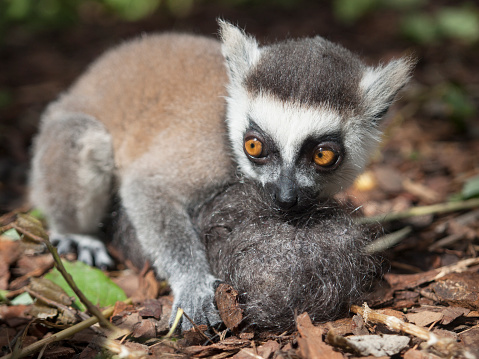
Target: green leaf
403 4
94 284
23 298
459 23
349 11
3 296
36 213
11 234
420 28
471 188
459 106
133 10
180 8
18 9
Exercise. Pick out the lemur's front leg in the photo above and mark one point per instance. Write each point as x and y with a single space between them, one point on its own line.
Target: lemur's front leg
169 241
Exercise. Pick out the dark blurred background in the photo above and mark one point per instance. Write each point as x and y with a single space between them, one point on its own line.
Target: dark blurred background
46 44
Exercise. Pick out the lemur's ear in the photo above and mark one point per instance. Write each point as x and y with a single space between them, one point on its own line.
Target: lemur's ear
240 50
379 85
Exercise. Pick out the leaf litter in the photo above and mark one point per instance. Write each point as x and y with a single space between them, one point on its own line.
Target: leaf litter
439 305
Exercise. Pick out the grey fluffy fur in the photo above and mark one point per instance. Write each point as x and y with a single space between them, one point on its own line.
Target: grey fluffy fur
329 73
281 265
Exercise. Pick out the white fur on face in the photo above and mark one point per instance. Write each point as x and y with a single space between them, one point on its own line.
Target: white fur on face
289 125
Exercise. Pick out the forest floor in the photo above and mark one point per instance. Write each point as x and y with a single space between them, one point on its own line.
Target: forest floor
429 155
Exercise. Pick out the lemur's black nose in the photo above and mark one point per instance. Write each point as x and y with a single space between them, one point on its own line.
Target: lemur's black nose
287 203
286 194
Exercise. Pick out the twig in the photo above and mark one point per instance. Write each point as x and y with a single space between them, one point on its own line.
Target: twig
179 314
64 333
388 240
445 345
458 267
121 350
463 221
420 211
50 302
452 238
197 328
68 278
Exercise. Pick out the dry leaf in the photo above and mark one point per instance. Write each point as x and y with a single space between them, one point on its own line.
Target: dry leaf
451 313
341 326
227 302
9 253
378 345
311 343
417 354
470 337
268 348
458 289
151 308
424 318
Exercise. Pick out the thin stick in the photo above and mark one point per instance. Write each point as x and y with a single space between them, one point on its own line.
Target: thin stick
179 314
197 328
68 278
446 345
388 240
121 350
66 333
420 211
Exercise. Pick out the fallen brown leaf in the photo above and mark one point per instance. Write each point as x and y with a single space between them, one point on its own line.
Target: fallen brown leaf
458 289
424 318
227 302
417 354
452 313
341 326
470 337
268 349
149 287
311 344
151 308
231 344
9 253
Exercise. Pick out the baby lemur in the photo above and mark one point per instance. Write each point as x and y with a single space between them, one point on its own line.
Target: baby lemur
166 121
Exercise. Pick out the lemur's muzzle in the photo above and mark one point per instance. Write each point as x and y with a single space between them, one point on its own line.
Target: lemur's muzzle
289 196
285 193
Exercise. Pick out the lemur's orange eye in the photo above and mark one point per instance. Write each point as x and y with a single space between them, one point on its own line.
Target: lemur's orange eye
253 147
324 157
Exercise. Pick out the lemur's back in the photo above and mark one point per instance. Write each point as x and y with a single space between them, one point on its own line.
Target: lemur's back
151 93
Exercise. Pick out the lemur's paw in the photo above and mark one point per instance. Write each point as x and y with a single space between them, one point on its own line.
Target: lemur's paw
198 302
90 250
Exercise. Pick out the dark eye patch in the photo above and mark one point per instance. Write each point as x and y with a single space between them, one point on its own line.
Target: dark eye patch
311 143
269 145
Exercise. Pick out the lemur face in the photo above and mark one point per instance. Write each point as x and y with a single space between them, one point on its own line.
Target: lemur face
303 114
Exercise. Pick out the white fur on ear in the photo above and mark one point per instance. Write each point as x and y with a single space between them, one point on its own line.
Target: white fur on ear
240 50
380 85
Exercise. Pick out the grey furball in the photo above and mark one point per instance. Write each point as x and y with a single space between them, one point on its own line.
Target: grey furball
285 264
282 264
